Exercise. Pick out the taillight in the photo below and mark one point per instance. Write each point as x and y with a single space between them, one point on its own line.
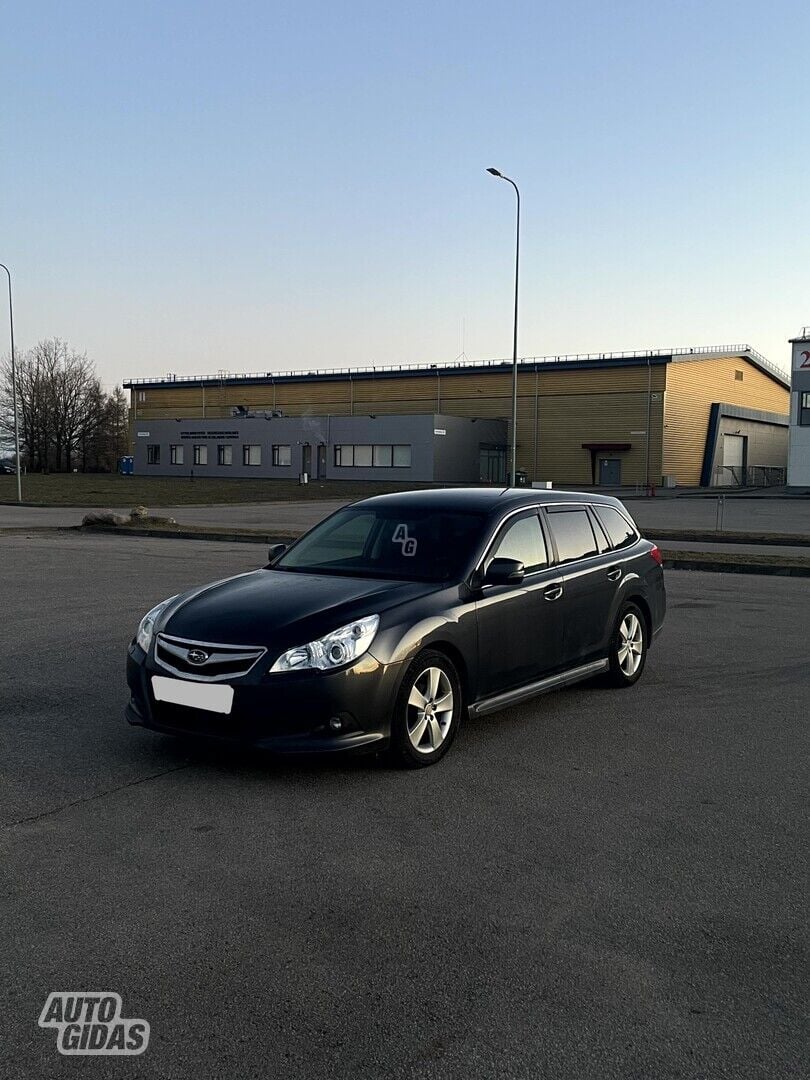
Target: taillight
655 552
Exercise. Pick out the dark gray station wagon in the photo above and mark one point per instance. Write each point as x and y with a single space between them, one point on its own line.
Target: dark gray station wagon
387 623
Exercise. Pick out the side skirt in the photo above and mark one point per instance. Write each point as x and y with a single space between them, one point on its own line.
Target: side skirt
552 682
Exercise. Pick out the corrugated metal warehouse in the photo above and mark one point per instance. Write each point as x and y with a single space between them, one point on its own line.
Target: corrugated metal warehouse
713 415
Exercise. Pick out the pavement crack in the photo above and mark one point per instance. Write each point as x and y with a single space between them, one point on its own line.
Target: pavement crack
93 798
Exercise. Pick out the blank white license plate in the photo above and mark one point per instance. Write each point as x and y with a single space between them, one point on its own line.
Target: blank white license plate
214 697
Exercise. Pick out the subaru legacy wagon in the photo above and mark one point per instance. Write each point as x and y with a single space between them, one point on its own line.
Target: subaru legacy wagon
388 622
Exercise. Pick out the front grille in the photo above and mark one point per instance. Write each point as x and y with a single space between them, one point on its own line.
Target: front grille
221 661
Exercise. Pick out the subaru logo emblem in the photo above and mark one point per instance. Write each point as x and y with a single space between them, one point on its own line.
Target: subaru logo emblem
197 656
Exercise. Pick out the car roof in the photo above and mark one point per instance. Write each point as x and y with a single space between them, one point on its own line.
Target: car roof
486 500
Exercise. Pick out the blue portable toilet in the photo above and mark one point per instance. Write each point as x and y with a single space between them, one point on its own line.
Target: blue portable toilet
126 465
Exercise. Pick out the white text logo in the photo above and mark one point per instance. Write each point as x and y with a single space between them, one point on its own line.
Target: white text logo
91 1023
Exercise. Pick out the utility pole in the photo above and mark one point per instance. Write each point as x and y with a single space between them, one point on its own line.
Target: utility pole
500 176
14 384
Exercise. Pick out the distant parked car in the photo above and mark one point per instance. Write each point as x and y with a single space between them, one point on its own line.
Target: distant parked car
389 621
7 468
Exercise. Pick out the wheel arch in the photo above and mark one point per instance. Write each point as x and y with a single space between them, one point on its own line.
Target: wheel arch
453 653
641 603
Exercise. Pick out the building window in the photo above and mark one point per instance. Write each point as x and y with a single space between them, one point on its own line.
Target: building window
224 455
804 409
738 375
251 455
282 455
153 455
141 396
381 456
176 454
200 455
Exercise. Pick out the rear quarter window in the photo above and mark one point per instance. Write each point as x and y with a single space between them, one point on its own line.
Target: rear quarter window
619 530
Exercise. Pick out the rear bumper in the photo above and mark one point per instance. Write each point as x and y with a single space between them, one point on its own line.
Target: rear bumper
284 713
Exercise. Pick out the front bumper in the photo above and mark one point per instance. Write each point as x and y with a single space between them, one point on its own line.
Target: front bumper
286 713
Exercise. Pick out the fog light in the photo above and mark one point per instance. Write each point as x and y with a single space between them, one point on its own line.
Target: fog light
335 723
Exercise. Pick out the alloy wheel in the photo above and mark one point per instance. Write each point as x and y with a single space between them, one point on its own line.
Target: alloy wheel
631 644
430 710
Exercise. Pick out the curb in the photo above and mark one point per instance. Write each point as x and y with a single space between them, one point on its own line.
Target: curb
681 561
188 534
701 536
770 569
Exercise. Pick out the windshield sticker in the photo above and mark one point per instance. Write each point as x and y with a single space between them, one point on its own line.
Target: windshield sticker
401 537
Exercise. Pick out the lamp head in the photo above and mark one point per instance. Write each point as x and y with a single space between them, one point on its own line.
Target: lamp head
494 172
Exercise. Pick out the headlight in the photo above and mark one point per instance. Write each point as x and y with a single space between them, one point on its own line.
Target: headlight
332 651
146 627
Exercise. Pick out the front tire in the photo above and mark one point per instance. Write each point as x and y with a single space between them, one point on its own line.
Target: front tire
427 711
628 647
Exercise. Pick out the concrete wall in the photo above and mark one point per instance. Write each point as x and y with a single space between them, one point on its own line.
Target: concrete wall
416 431
452 457
458 451
286 431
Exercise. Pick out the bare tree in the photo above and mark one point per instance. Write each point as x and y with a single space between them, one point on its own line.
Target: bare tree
66 420
33 402
75 397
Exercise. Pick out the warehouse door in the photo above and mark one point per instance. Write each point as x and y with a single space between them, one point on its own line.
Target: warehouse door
610 472
322 462
734 455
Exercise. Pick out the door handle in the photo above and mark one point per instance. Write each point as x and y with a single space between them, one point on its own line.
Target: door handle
615 574
553 592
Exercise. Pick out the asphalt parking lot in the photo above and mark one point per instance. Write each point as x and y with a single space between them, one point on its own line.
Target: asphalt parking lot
598 884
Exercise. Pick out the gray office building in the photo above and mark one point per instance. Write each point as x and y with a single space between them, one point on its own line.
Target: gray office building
423 447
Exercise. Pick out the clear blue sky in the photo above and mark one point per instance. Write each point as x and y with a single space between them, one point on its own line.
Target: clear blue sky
254 186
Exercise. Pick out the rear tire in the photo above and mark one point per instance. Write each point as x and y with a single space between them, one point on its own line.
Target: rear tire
628 647
427 712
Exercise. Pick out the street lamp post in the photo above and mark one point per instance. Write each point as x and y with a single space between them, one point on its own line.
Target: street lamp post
500 176
14 384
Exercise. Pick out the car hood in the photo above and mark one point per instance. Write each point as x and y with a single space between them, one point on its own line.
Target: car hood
279 609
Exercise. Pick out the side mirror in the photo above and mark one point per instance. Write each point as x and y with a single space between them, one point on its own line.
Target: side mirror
505 572
274 551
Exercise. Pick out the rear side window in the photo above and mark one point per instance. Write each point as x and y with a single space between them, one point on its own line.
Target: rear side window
620 532
573 534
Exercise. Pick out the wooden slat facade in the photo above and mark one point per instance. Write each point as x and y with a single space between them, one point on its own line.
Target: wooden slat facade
692 387
558 409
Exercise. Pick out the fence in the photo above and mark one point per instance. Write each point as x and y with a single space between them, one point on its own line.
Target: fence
749 476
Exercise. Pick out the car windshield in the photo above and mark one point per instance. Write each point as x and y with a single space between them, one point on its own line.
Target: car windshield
388 542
